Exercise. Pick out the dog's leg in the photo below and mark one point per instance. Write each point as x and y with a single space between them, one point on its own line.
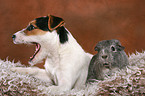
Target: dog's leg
64 83
33 71
80 83
83 73
66 80
61 87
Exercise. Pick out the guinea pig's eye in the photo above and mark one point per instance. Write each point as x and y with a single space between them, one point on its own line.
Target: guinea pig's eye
31 27
113 48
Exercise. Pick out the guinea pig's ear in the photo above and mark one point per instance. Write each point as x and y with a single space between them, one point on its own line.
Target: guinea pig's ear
54 22
120 47
96 48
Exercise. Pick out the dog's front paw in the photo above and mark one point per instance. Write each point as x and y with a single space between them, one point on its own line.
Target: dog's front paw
56 89
14 69
25 70
53 89
19 70
33 62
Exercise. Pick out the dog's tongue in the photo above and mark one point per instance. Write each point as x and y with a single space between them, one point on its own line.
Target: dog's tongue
36 51
37 47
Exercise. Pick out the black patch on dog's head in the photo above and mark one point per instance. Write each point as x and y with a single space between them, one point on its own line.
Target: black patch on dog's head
55 21
63 34
49 23
42 23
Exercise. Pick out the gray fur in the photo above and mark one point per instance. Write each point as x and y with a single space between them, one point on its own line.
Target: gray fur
110 56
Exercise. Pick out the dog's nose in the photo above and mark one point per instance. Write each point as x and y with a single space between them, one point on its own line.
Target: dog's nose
14 36
104 56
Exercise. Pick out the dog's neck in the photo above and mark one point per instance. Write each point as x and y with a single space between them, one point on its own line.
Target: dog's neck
56 46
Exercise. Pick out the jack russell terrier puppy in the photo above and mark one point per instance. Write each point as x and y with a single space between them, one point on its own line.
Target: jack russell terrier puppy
66 63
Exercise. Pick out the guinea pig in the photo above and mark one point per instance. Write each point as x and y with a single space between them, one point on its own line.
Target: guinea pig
110 57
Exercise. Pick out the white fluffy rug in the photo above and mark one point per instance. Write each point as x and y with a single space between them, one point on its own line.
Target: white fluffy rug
129 81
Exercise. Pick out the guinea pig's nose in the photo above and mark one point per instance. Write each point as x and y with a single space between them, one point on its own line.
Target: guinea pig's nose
14 36
104 56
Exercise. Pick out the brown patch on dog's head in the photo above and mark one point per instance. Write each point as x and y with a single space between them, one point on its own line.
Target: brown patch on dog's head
41 25
32 29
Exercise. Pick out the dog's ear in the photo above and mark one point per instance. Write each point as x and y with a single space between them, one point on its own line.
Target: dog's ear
54 22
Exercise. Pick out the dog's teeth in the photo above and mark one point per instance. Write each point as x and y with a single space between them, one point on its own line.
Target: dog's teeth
36 51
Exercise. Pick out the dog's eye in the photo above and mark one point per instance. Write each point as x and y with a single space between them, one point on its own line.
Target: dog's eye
31 27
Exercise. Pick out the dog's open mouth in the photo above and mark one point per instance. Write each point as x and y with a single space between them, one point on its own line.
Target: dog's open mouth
37 49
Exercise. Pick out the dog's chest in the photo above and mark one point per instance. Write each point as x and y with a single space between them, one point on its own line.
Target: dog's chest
51 65
52 68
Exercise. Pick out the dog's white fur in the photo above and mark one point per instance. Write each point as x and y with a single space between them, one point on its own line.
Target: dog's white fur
66 64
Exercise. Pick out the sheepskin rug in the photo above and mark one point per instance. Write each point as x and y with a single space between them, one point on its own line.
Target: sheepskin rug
128 81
